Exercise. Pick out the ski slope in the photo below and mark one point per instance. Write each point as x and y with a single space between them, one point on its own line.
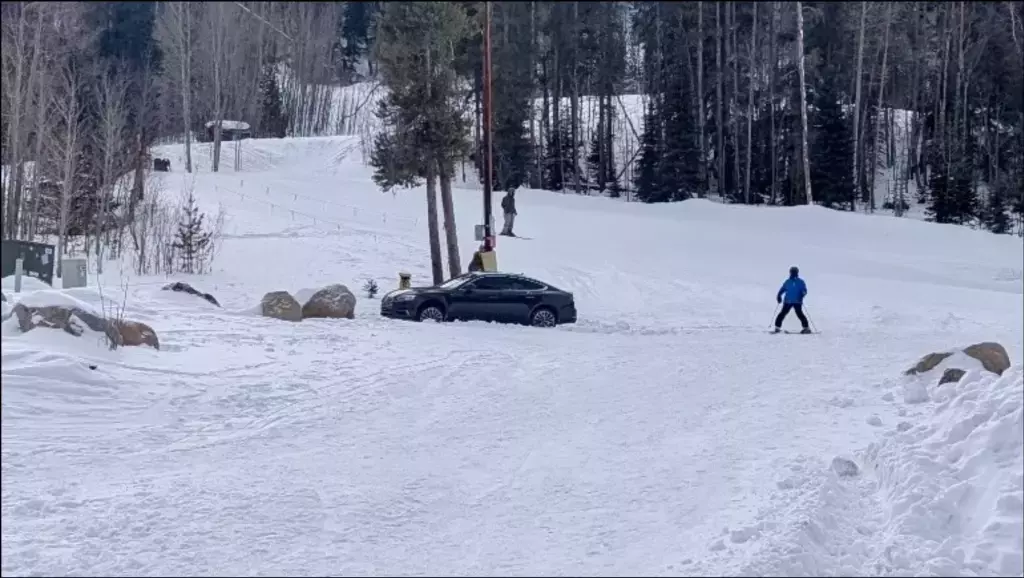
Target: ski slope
665 433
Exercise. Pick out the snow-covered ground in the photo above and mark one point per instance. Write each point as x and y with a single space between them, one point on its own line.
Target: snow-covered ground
665 433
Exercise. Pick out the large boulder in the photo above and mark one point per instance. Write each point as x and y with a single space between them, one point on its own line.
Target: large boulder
72 320
137 333
180 287
334 301
280 305
928 363
993 356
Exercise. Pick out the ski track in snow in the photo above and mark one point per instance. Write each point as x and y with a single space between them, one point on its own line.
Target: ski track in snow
665 433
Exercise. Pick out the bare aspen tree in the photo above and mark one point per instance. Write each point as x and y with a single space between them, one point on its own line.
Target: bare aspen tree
773 57
878 113
856 105
803 100
720 152
703 169
750 105
111 95
217 23
20 54
174 33
65 148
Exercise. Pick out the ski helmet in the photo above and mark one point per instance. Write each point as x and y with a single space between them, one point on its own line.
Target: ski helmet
794 271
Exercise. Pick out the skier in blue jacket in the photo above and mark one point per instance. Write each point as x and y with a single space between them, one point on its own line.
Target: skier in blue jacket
791 295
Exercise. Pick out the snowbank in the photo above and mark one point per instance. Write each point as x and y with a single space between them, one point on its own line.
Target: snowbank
954 483
27 284
939 495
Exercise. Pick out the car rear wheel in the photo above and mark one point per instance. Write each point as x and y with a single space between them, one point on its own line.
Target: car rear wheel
431 313
543 317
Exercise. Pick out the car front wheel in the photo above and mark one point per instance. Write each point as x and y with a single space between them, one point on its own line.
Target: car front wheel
543 317
431 313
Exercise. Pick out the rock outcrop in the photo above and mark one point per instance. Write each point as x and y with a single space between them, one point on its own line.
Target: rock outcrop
993 356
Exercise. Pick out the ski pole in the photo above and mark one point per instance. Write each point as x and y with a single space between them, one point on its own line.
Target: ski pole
811 321
771 323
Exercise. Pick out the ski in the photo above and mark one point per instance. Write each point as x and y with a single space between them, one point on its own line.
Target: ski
788 332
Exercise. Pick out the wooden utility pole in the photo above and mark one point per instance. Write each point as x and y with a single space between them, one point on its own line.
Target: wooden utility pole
488 153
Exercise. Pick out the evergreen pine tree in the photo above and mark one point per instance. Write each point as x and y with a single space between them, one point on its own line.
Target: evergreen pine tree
273 122
832 151
192 241
995 217
648 182
595 168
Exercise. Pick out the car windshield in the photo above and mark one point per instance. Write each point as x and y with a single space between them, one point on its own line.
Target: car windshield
455 282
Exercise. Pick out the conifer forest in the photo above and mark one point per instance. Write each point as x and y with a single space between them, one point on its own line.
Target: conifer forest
858 106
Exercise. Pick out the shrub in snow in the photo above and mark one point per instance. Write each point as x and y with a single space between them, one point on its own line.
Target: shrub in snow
371 288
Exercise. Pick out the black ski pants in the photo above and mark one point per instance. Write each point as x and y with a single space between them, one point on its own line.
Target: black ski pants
798 308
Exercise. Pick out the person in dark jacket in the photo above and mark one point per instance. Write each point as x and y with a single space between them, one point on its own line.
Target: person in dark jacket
791 295
477 262
508 206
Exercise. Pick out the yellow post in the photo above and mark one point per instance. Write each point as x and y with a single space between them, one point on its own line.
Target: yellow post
489 260
404 280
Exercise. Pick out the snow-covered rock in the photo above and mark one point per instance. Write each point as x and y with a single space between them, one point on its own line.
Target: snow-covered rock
280 305
334 301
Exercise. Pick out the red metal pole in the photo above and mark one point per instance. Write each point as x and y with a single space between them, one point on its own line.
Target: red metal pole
488 153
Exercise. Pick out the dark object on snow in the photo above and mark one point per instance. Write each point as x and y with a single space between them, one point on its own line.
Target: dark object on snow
951 375
161 165
498 297
476 264
92 367
180 287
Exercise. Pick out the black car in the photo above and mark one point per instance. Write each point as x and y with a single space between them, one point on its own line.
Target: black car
499 297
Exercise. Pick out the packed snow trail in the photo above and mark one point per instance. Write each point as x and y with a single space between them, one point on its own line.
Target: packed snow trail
629 443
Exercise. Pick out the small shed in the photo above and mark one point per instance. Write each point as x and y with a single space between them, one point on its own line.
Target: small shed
229 130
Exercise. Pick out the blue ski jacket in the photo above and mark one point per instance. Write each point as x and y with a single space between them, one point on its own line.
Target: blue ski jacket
794 289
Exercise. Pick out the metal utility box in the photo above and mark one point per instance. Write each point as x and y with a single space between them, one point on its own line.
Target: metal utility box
74 273
37 259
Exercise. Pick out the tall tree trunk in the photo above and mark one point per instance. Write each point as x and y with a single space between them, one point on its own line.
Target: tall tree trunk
734 57
702 170
750 106
878 112
719 129
186 80
436 265
447 206
534 178
856 105
575 98
803 100
771 89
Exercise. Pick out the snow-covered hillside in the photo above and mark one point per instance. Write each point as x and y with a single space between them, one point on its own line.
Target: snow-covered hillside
665 433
